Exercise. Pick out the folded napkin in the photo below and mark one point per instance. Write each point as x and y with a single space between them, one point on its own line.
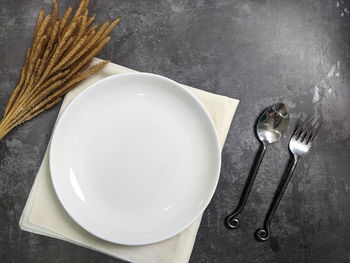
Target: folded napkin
43 213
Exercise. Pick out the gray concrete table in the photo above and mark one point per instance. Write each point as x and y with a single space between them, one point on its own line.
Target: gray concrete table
260 52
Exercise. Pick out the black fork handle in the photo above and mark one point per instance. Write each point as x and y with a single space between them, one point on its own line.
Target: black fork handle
231 221
264 233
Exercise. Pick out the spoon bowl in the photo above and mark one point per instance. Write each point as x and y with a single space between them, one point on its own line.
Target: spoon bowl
273 123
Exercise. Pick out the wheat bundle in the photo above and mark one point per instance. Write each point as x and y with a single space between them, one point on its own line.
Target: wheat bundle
59 58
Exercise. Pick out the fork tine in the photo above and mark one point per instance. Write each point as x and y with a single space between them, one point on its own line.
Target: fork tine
311 127
314 133
311 131
307 124
299 130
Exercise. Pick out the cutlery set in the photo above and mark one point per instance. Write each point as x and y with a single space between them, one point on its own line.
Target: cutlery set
270 128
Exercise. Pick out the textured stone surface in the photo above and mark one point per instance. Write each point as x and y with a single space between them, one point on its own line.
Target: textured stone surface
260 52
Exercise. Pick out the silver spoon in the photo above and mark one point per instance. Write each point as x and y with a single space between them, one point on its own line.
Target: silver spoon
272 124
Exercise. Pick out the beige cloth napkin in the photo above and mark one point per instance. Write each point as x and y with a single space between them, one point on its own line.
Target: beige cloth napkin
43 213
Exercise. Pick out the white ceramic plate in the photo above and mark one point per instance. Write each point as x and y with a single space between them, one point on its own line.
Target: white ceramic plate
135 159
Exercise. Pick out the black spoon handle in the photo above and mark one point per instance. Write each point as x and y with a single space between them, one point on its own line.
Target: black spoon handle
264 233
231 221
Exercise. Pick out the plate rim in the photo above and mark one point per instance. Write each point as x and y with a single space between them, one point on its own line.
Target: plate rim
217 146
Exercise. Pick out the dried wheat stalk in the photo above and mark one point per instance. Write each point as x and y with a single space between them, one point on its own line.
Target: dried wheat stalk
59 58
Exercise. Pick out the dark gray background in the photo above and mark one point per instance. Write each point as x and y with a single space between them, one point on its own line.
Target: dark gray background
260 52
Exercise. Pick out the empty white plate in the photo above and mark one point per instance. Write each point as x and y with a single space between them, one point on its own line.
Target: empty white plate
135 159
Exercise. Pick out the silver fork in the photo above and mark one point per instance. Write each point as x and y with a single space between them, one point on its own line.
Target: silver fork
299 145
